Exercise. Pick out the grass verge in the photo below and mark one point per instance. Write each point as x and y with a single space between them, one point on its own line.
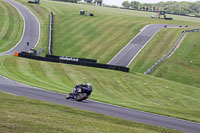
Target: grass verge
11 26
184 65
48 117
159 46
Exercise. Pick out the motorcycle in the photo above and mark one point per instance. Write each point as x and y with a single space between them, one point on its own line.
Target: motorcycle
82 93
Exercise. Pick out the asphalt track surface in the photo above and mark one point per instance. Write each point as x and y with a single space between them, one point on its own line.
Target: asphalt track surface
12 87
16 88
132 49
31 31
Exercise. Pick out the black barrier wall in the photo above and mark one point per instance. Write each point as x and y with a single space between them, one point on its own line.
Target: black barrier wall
71 58
83 62
34 2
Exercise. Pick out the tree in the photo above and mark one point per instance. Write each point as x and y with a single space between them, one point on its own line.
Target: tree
172 7
134 4
126 4
98 2
73 1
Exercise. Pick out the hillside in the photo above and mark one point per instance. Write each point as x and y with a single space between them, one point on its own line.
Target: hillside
99 37
184 65
159 46
11 26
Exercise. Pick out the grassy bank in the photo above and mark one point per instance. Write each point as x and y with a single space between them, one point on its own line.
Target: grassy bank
100 37
130 90
47 117
184 65
11 26
159 46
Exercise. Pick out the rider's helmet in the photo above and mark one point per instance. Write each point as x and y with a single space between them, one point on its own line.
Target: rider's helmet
89 85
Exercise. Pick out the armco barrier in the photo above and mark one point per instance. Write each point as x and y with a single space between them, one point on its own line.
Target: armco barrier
194 30
171 51
82 63
50 33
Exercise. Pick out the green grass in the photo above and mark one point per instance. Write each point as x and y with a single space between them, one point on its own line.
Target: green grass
100 37
19 114
159 46
184 65
11 26
136 91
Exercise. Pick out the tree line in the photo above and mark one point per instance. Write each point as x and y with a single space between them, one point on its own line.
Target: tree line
171 7
97 2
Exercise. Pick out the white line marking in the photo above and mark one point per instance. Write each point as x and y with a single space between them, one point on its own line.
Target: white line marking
9 93
102 103
107 63
143 112
142 48
38 24
23 28
128 44
24 25
25 85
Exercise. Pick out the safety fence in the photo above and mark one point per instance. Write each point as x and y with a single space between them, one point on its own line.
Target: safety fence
50 34
74 61
171 51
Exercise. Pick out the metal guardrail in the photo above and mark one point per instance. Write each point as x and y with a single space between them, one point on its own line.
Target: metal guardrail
194 30
171 51
50 34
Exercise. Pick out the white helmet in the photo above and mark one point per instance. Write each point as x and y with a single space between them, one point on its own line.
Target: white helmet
89 84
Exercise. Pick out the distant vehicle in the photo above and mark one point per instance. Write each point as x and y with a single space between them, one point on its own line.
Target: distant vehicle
186 25
34 2
80 92
152 16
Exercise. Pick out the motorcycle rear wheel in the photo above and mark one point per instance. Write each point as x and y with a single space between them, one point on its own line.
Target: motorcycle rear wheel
68 96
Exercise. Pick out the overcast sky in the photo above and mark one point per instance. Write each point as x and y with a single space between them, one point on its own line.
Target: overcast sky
119 2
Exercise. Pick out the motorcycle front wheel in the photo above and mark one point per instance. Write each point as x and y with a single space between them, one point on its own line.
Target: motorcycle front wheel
81 96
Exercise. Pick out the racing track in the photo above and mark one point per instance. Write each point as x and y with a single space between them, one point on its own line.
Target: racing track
9 86
132 49
31 32
13 87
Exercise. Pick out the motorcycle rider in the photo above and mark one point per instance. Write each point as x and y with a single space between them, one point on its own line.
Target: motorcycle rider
87 87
